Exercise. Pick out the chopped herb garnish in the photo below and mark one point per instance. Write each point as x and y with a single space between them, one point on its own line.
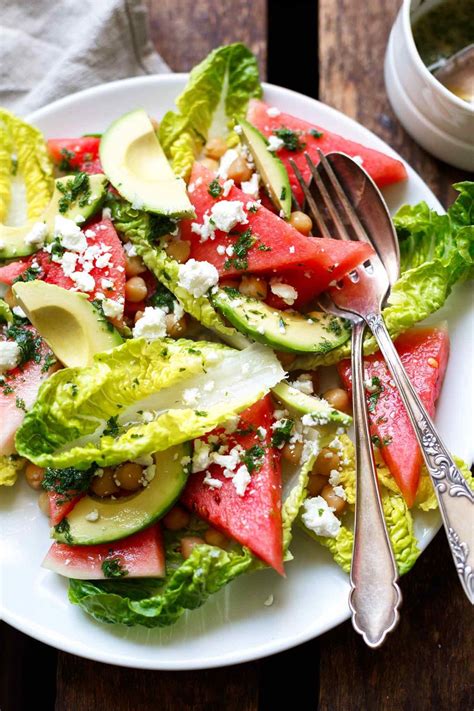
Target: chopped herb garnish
290 139
373 397
232 292
283 193
214 188
14 167
64 528
162 297
112 428
241 248
66 158
282 433
114 568
253 458
315 133
28 343
20 403
48 363
253 208
68 482
201 413
264 248
76 189
30 274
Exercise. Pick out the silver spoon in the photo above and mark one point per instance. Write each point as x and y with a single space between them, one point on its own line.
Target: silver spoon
457 73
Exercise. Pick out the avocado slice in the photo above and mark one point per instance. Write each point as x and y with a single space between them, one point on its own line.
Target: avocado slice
118 518
284 330
12 239
303 404
271 169
135 164
73 328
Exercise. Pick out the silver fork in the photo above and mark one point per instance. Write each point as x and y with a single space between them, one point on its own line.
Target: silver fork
363 293
375 595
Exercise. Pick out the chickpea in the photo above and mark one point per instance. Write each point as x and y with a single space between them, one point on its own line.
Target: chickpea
188 543
315 380
333 499
210 164
138 315
253 286
176 328
292 452
34 475
301 222
9 298
135 289
215 538
176 519
229 283
215 148
239 171
178 249
43 503
129 476
339 399
286 359
134 266
316 484
326 461
104 485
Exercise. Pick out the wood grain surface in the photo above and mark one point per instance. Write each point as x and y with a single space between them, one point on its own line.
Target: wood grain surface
425 664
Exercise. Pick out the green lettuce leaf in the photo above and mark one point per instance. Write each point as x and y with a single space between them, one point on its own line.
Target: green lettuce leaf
437 251
135 400
32 160
217 92
188 583
144 233
397 516
6 314
10 466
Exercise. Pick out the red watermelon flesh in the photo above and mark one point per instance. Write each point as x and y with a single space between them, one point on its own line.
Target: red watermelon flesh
75 153
141 556
278 246
424 354
101 233
303 284
254 519
19 389
59 506
383 169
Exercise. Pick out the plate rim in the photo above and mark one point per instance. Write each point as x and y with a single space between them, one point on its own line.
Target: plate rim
269 647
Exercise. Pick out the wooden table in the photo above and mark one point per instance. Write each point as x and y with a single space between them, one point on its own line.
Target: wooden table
333 51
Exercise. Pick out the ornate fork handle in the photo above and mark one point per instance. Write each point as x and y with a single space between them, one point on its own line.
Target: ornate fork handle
455 498
375 595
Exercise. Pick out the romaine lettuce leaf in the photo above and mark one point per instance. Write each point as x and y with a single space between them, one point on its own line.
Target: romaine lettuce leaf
188 583
6 169
33 163
217 92
10 466
437 251
6 314
142 397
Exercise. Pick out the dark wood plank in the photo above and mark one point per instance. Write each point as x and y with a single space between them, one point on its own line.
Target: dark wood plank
84 685
22 657
352 41
184 31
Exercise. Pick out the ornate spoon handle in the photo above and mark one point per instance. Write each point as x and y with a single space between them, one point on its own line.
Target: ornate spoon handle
455 498
375 595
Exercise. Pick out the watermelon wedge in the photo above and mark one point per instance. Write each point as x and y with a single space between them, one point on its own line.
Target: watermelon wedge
424 354
59 506
277 246
99 233
139 556
254 519
383 169
75 154
19 390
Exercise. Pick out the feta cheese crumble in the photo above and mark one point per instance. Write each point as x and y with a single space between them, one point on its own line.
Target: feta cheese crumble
191 396
152 324
226 161
272 111
318 516
69 234
286 292
197 277
251 187
274 144
10 355
228 213
93 515
241 480
37 235
112 308
304 384
83 281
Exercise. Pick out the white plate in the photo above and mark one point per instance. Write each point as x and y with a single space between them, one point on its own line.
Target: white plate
234 625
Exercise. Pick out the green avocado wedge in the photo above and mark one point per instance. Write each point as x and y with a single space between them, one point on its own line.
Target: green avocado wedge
13 242
113 519
283 330
319 409
73 328
272 171
136 165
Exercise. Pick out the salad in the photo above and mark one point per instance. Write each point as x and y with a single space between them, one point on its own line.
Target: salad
165 371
